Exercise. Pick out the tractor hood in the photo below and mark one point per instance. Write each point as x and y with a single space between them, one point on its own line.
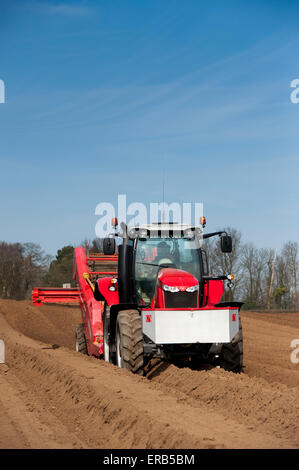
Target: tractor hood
176 278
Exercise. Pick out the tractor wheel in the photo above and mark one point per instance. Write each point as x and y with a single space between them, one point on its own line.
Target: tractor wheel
231 358
80 340
129 342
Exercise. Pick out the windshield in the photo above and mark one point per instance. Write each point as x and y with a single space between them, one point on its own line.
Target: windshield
152 254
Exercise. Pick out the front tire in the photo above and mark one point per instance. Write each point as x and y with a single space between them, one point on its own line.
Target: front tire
231 358
129 342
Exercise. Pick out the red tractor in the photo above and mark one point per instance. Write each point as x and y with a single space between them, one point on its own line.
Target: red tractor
160 301
164 303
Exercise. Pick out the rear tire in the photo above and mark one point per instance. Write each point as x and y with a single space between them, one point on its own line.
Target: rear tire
80 340
231 358
129 341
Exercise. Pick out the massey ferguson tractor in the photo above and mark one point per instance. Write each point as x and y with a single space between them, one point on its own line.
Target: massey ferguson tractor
159 301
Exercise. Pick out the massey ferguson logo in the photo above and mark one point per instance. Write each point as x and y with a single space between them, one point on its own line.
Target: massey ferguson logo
148 318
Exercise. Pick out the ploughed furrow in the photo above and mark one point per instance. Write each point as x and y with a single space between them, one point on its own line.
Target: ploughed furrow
268 408
267 347
54 324
95 404
265 396
53 397
91 400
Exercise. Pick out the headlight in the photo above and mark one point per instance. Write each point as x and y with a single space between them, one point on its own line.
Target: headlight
170 288
192 288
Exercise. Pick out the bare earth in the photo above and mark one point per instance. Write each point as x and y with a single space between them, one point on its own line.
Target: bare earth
53 397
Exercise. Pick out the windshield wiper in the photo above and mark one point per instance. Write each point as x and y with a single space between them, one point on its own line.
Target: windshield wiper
147 264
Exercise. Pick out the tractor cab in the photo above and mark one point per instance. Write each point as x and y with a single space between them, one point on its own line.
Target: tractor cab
167 272
162 265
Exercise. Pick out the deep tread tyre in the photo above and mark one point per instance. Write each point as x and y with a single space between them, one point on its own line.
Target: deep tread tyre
80 340
129 342
232 353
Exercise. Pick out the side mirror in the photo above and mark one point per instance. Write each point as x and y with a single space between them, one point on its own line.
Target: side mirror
109 246
226 244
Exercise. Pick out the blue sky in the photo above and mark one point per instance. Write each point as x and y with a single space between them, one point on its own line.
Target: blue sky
102 95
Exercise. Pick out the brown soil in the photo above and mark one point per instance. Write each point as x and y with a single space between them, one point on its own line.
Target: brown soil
53 397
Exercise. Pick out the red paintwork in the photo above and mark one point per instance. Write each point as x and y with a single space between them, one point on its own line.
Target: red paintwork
111 296
177 277
41 295
171 277
103 258
91 309
213 291
96 273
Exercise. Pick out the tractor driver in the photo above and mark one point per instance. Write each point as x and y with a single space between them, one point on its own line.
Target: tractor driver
164 255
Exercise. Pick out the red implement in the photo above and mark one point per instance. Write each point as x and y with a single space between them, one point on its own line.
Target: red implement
42 295
95 266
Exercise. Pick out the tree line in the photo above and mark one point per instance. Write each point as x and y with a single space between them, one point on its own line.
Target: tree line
264 278
24 266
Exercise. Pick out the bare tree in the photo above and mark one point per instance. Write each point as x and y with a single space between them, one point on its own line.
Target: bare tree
271 271
255 274
35 266
280 294
11 270
290 256
21 267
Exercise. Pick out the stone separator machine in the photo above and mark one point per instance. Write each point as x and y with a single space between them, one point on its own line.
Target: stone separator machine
154 298
85 267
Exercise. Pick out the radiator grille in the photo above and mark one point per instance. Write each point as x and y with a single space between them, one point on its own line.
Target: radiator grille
181 299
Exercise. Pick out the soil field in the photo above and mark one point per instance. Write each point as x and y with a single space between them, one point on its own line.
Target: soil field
53 397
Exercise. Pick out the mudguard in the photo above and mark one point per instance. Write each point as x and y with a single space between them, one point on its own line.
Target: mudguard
103 293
